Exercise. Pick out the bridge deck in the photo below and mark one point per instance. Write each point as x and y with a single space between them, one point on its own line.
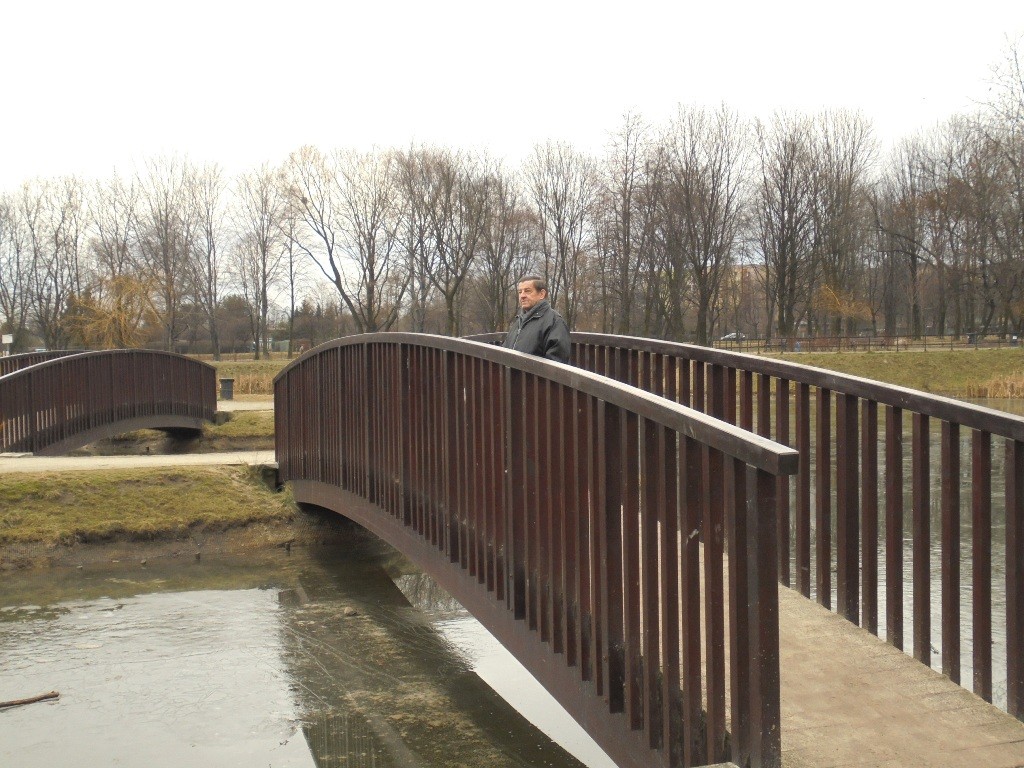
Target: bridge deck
873 706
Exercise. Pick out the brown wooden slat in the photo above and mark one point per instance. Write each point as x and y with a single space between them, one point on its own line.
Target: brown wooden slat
921 550
950 458
981 562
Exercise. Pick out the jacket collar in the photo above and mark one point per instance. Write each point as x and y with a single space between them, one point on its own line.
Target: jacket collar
535 311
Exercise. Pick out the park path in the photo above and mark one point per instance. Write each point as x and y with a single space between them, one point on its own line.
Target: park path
28 463
10 462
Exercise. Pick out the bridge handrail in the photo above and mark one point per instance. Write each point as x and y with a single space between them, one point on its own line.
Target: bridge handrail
563 509
969 415
70 400
868 468
12 363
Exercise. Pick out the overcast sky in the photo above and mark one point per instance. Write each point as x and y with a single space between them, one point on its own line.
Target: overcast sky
93 87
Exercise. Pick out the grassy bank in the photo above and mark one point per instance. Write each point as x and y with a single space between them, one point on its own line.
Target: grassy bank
242 431
956 373
964 372
134 504
251 377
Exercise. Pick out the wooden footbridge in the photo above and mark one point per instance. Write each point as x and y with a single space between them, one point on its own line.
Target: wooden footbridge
53 402
623 525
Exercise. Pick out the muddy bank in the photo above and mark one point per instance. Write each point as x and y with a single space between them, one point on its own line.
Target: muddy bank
307 529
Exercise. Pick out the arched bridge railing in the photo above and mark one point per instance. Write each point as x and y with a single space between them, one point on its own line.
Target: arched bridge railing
583 522
63 403
873 499
13 363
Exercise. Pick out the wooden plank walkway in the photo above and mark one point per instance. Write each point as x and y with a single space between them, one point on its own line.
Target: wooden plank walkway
850 699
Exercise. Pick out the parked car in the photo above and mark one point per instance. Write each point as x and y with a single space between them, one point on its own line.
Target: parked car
735 336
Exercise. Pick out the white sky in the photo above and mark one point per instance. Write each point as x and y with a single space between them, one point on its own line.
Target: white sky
90 87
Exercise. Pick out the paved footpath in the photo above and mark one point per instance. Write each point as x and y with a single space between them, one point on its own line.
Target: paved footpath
850 699
27 463
10 462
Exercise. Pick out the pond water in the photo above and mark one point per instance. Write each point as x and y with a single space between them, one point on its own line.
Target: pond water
966 589
336 656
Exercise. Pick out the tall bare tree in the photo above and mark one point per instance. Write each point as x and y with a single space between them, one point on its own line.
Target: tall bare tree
843 157
625 225
508 246
561 181
260 256
347 205
784 214
53 220
167 230
451 190
14 258
204 266
703 203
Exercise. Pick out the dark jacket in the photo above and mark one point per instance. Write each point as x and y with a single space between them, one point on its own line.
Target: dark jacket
540 331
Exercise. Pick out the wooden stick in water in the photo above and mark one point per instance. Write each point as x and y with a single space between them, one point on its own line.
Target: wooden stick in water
31 700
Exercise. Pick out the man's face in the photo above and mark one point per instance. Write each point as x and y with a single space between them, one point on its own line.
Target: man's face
529 295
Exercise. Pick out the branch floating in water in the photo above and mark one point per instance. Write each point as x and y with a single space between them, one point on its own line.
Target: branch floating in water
31 700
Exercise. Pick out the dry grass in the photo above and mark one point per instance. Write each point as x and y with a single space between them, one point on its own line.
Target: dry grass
956 373
1001 386
136 504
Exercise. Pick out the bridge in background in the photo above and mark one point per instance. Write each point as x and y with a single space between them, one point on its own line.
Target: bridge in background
53 402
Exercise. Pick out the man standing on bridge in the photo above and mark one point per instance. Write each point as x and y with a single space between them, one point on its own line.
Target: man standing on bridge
537 329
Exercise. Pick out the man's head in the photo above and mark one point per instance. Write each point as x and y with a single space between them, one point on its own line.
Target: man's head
532 290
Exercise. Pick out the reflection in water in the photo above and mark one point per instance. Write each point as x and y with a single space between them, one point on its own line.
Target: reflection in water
344 739
295 661
500 669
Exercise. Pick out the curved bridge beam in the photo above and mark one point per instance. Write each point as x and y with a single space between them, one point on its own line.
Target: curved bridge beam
54 406
582 521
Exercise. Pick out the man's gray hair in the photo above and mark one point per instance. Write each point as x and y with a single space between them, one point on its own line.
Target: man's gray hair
539 283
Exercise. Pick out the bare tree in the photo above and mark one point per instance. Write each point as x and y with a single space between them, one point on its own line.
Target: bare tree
14 265
1003 126
372 228
451 190
167 230
625 224
348 209
507 247
562 184
52 217
784 217
703 204
843 155
260 212
204 265
415 234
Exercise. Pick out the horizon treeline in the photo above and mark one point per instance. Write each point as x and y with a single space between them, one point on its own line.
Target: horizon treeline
705 224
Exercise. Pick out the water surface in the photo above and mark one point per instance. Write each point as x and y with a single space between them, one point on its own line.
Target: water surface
302 659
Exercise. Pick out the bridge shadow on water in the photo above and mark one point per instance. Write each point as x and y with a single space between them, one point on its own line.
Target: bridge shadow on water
310 658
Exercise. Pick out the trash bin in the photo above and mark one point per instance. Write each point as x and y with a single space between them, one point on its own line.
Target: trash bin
227 389
1013 340
972 338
